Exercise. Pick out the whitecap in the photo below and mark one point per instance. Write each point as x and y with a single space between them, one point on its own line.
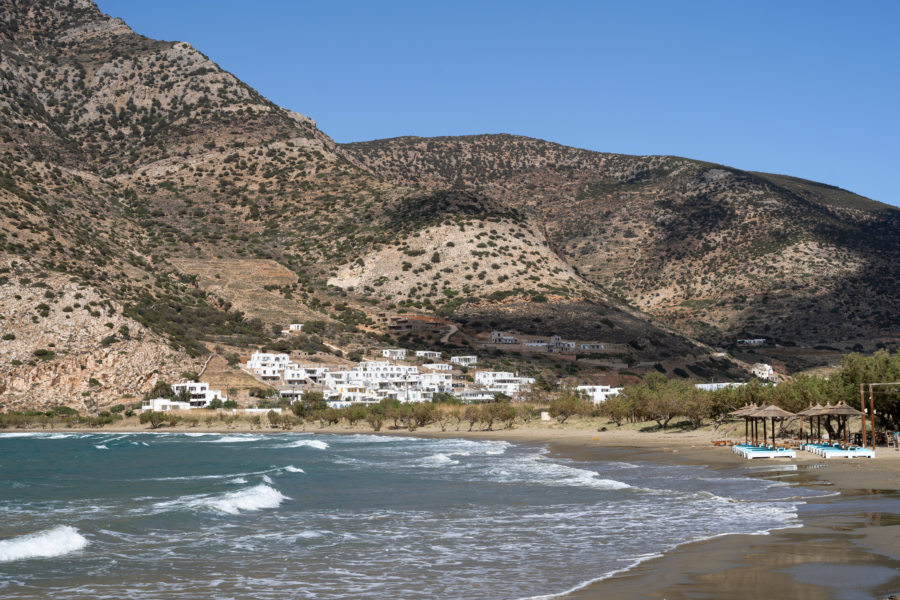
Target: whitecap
101 447
267 479
234 439
536 469
238 480
293 469
247 499
43 544
254 498
438 460
317 444
309 534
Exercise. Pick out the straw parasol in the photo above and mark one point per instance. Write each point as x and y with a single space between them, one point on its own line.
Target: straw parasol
745 413
842 411
770 412
812 411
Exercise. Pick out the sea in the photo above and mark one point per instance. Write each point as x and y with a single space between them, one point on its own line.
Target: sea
203 515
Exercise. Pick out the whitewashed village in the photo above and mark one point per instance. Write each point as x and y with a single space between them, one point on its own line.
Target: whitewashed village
399 374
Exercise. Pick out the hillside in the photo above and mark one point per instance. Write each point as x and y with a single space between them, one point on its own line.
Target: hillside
202 215
713 251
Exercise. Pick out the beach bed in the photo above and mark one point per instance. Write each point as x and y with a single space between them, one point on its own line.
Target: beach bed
750 452
835 451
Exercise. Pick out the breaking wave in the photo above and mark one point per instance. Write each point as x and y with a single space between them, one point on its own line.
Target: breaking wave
318 444
253 498
43 544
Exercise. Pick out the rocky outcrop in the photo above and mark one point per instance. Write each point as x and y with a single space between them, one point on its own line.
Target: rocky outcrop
63 343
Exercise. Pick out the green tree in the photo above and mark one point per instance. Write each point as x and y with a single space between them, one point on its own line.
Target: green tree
567 405
154 418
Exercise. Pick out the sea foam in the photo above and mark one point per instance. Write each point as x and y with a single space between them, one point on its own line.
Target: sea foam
234 439
254 498
43 544
318 444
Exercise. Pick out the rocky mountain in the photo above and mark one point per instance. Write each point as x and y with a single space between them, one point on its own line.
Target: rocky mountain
154 208
711 250
140 173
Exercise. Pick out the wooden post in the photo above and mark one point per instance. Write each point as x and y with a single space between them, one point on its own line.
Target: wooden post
872 410
862 401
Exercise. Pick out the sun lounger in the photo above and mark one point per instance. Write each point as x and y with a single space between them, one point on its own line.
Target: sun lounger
835 451
750 452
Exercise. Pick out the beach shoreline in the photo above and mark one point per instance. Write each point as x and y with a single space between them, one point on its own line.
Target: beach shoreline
833 552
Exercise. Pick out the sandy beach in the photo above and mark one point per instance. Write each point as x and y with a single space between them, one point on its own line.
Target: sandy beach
846 547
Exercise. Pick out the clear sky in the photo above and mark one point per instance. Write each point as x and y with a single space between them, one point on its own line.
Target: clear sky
807 88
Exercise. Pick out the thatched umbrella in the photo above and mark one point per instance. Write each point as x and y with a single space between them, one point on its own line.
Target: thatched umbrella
745 413
770 412
812 411
842 411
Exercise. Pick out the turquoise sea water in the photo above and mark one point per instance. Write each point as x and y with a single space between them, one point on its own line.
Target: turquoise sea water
332 517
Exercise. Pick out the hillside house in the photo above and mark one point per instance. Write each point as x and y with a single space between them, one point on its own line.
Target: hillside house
598 393
295 375
500 337
752 342
557 344
200 394
472 395
712 387
430 354
295 327
502 382
163 405
591 347
438 366
763 371
394 353
464 361
260 361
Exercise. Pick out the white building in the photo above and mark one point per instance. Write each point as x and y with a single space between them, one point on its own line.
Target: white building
432 354
502 382
591 346
464 361
500 337
164 404
394 353
435 382
473 395
752 342
299 375
344 396
712 387
598 393
295 327
558 344
372 373
200 394
763 371
271 362
438 366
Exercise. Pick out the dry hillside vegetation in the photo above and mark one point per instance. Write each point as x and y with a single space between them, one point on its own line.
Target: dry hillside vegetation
715 251
141 172
465 260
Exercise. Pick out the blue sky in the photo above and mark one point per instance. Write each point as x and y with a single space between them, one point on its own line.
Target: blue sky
806 88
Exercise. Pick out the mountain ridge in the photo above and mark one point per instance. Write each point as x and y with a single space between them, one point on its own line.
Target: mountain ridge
131 163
